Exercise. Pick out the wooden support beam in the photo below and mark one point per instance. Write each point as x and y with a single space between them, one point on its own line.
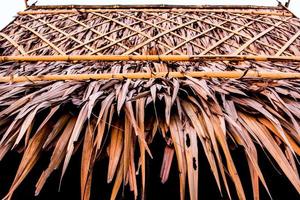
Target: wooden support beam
198 74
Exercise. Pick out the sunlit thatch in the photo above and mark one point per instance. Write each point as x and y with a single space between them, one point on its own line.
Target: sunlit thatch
120 118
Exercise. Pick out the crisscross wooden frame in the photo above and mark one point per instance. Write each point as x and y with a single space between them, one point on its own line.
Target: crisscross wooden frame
22 51
213 20
72 34
44 39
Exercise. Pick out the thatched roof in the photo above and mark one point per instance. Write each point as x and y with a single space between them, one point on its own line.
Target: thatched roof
121 117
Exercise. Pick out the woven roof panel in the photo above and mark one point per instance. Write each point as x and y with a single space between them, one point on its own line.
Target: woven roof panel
152 32
191 125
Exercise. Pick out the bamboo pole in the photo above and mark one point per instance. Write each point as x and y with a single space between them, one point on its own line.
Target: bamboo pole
26 3
168 6
190 58
70 11
141 75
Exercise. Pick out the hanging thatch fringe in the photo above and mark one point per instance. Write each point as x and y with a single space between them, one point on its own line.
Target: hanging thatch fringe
141 75
197 116
190 58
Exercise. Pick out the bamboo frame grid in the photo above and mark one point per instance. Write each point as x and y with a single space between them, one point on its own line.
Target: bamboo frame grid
273 25
203 33
75 33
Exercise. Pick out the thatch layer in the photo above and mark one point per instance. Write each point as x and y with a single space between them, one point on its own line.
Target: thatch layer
119 119
122 115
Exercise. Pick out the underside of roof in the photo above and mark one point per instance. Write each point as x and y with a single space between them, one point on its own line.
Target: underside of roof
109 80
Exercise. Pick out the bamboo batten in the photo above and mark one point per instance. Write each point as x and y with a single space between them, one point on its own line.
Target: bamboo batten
72 11
156 6
167 58
222 74
26 3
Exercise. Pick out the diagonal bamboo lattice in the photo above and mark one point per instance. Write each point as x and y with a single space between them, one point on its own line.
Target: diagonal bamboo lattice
140 31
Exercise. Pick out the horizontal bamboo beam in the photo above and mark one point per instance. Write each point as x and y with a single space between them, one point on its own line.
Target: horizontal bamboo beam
190 58
201 74
131 6
72 11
